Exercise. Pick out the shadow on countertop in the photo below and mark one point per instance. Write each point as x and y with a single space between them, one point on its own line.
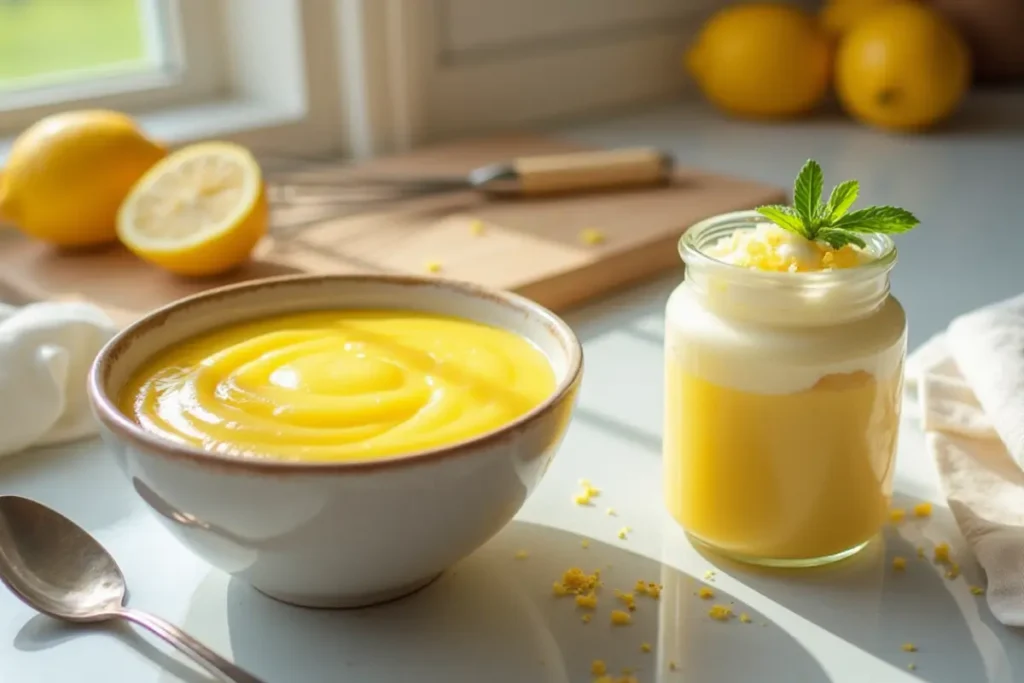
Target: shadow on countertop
494 618
868 603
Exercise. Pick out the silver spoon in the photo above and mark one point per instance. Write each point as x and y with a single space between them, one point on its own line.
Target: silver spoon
55 566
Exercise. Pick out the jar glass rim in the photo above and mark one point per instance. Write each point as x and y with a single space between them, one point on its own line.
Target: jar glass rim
693 255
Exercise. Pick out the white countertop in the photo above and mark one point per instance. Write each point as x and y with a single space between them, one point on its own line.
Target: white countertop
493 618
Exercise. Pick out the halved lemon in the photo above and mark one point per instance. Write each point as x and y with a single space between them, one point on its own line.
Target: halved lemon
199 211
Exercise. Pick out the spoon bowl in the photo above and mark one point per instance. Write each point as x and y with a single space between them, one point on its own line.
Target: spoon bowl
54 565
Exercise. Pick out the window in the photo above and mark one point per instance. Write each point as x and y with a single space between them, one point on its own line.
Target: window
131 54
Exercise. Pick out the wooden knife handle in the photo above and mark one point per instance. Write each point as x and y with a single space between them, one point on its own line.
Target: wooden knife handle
591 170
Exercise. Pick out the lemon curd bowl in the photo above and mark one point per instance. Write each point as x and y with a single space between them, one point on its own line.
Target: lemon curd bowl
346 532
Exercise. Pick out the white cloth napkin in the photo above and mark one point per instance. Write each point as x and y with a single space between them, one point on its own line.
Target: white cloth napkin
45 353
970 383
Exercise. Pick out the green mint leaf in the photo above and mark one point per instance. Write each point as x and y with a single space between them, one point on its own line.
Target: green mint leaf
884 219
839 202
807 195
785 217
837 239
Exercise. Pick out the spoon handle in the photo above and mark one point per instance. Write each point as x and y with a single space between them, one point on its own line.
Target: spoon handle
189 646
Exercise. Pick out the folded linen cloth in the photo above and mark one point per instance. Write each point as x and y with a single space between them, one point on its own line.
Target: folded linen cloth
45 353
970 384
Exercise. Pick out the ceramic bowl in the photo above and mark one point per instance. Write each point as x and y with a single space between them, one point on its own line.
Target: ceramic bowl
341 534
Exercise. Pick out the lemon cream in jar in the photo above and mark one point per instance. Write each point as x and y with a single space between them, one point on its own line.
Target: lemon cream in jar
784 360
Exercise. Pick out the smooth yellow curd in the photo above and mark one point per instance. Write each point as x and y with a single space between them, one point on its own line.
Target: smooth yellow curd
801 475
338 385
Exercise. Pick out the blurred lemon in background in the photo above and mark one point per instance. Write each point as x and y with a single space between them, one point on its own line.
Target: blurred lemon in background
200 211
68 173
904 67
761 60
839 16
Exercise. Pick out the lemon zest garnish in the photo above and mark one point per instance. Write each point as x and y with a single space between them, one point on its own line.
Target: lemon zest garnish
923 510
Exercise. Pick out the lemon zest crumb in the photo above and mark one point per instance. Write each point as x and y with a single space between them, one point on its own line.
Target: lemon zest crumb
977 590
897 515
624 532
923 510
654 590
899 563
709 575
588 601
720 612
953 571
672 666
911 666
645 647
476 227
598 667
942 552
585 618
640 587
592 236
585 544
908 647
745 618
620 618
433 266
705 593
611 512
522 554
920 552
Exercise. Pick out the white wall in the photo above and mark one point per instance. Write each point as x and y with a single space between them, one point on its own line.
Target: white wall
481 65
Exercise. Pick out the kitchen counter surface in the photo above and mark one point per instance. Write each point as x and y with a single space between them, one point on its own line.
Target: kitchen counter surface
493 618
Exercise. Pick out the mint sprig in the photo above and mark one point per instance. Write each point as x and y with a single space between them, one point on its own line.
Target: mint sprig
832 222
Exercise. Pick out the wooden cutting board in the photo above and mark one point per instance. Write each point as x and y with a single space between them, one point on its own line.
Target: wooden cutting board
530 246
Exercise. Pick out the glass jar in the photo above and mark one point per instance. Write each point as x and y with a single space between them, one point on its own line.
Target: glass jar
782 397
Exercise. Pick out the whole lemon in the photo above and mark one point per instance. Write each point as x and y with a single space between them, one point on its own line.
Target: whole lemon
839 16
68 173
905 67
762 60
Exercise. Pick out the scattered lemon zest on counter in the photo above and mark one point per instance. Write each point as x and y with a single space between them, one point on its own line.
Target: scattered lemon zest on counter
645 647
576 581
911 666
588 601
522 554
588 493
899 563
585 544
654 590
745 618
476 227
908 647
620 618
720 612
896 515
640 587
672 666
585 618
598 667
559 588
920 552
626 599
709 575
953 572
705 593
942 552
592 236
624 532
611 512
433 266
977 590
923 510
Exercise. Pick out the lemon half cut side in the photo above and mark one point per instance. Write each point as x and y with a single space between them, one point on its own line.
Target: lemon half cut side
198 212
